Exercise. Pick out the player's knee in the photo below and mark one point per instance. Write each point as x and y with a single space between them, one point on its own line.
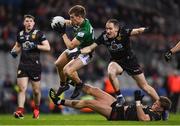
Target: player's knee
22 89
58 65
36 92
67 71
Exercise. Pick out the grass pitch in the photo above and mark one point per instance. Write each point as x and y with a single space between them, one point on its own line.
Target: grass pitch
80 119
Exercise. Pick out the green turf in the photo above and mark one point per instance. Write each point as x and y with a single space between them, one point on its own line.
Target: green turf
80 119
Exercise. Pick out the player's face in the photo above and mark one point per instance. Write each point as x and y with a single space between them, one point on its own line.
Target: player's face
111 30
29 23
156 106
75 20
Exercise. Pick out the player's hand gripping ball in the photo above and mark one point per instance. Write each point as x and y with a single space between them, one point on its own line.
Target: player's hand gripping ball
57 19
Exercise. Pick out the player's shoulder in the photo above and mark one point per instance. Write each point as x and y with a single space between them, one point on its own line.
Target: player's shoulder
103 36
21 32
125 29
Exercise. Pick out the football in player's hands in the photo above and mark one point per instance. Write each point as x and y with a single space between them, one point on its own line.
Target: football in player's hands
57 20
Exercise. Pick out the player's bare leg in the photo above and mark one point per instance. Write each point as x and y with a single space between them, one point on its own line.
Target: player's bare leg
142 83
101 104
22 84
71 71
37 97
60 63
114 70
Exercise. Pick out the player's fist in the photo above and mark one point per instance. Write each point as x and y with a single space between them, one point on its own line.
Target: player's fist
138 96
58 24
13 53
168 55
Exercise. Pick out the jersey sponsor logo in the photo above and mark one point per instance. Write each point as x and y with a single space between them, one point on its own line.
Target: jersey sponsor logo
114 46
80 34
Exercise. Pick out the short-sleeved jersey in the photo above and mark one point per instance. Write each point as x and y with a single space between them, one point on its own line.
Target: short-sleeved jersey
85 34
131 113
30 57
118 47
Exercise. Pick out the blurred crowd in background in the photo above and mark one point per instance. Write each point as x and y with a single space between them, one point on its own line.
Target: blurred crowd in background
162 16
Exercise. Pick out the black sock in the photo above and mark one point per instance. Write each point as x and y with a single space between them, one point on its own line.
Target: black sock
62 102
80 84
118 93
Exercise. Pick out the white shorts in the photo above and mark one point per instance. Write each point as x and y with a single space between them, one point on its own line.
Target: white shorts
85 58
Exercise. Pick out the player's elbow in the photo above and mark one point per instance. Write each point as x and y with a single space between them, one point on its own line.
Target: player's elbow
144 119
48 48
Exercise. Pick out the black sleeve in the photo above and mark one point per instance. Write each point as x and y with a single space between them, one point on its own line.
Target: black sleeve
154 116
126 31
18 38
41 36
100 39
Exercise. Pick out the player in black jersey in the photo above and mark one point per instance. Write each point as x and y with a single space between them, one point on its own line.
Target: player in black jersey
117 40
169 53
105 104
30 42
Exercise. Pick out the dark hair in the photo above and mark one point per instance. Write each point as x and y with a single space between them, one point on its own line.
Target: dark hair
165 102
115 22
78 10
28 16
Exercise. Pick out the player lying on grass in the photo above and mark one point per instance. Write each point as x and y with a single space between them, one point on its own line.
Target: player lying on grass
105 105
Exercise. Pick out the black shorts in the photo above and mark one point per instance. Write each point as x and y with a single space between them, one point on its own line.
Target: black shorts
130 65
117 113
34 73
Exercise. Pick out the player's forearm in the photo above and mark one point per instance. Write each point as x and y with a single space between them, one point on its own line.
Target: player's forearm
88 49
43 48
68 42
176 48
16 48
68 22
137 31
140 113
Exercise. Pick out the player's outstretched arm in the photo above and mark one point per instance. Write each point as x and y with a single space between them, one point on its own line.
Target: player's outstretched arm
176 48
137 31
89 48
